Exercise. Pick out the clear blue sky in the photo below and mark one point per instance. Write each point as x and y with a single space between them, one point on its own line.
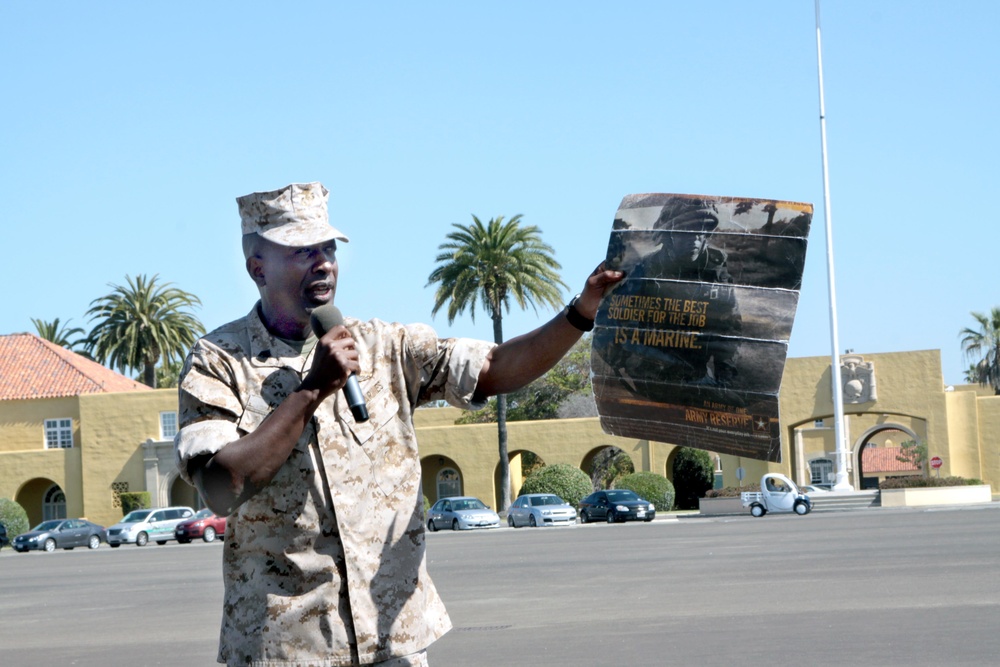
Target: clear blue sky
129 129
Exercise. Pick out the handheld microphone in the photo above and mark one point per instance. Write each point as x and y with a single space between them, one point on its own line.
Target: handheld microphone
323 319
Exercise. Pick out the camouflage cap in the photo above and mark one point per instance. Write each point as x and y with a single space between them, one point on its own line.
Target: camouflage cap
295 215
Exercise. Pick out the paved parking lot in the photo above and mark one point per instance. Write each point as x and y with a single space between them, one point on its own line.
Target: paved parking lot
880 587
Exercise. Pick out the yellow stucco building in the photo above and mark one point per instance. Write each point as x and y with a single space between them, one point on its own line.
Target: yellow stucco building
71 452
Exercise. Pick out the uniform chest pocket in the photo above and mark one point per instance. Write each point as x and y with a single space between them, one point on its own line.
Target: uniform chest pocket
388 443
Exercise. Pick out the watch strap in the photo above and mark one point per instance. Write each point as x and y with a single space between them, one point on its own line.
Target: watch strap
576 319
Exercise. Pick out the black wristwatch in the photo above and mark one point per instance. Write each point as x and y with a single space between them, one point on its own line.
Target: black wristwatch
575 318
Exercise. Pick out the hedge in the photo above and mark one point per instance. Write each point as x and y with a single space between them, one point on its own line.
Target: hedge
135 500
657 489
566 481
13 517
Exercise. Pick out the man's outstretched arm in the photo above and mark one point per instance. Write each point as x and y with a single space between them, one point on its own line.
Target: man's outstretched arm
516 362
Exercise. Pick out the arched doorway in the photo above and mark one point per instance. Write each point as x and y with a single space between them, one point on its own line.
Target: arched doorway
39 497
522 463
441 477
54 504
876 452
606 464
448 483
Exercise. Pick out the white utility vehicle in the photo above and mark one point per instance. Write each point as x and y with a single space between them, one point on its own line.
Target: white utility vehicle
777 494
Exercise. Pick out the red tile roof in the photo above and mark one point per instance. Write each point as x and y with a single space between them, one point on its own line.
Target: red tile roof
883 459
31 367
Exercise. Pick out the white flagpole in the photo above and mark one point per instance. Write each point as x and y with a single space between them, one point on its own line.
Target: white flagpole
843 482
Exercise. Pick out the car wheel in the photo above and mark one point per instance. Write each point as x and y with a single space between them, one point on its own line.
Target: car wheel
454 524
611 517
510 521
94 542
431 526
801 507
583 517
532 522
757 510
209 534
141 539
50 545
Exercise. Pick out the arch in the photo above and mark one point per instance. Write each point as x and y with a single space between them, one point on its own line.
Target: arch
594 458
182 493
431 467
31 496
859 480
522 463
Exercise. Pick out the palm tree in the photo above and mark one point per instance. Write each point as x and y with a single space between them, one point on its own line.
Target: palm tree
139 324
982 347
488 266
60 334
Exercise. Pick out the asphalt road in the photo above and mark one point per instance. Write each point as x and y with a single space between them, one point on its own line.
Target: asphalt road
874 587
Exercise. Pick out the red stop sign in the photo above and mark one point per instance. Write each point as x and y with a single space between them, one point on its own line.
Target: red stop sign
936 462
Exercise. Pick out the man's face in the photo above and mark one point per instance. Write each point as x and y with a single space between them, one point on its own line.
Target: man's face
293 281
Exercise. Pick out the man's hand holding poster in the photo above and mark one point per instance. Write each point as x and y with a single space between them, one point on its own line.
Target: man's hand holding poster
689 349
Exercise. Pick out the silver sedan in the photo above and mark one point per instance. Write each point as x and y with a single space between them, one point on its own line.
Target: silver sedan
540 509
461 513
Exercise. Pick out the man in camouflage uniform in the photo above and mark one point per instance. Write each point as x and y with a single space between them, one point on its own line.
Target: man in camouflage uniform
324 558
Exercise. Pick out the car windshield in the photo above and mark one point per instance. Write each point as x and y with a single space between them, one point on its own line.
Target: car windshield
619 495
47 525
468 504
136 516
538 501
203 514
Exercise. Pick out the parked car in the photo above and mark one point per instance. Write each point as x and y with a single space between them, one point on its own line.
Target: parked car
540 509
61 534
141 526
206 524
812 488
3 536
461 513
616 505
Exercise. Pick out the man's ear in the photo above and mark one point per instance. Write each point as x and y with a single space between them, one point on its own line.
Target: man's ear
255 267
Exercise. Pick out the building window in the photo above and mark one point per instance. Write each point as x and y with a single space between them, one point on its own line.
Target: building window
54 504
58 433
820 471
168 425
818 423
449 483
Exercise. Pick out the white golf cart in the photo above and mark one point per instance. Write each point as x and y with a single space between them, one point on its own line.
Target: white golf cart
777 494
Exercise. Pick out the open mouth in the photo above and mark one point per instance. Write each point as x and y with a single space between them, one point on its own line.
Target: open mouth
320 292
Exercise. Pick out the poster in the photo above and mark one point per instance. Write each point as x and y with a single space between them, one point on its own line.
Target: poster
690 347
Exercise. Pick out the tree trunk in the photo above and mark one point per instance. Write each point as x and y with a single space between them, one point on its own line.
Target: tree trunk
149 374
504 499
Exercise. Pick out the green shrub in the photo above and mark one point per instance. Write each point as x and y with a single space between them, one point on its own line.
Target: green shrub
135 500
657 489
694 474
13 517
917 481
566 481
